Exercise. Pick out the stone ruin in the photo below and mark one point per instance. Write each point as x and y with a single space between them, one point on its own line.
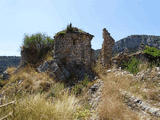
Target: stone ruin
73 55
73 48
106 51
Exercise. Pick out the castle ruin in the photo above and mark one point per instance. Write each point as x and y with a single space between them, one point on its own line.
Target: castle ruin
106 51
73 54
73 47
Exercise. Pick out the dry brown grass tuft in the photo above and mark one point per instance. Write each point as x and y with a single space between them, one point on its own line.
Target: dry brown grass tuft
112 106
28 80
11 70
36 107
39 97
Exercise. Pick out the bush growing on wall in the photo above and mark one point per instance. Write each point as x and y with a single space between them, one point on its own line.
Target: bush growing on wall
36 47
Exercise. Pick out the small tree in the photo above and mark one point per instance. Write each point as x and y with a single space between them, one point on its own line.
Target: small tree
36 47
133 65
153 54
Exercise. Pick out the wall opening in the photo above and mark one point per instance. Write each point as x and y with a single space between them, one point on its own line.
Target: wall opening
74 42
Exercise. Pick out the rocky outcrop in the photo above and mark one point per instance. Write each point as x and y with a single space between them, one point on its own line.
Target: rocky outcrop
136 42
133 43
55 69
8 61
106 51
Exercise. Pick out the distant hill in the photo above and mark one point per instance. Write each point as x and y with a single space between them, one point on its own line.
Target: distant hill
132 43
8 61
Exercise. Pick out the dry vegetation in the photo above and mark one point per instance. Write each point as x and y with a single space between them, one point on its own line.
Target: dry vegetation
37 107
112 106
10 70
39 97
27 80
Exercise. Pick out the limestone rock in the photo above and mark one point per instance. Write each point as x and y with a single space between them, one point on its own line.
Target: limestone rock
54 69
134 43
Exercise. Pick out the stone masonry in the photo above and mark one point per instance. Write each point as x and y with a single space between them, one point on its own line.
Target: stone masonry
73 48
72 55
106 52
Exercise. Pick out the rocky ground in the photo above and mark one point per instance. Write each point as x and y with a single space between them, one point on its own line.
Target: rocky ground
94 93
139 98
145 108
141 94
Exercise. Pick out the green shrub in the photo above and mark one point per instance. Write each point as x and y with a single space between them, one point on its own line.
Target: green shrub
36 47
38 41
152 51
153 54
132 65
69 28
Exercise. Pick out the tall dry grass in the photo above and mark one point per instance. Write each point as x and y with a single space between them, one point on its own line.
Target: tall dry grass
39 97
38 108
28 80
11 70
112 106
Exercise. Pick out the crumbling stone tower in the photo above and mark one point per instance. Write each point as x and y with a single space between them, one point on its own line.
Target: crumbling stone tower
106 52
73 47
72 58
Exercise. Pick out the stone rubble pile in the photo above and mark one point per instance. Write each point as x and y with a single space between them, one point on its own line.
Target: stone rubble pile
94 93
137 103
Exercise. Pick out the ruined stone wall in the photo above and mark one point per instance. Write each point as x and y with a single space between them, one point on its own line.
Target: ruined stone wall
106 52
73 48
72 56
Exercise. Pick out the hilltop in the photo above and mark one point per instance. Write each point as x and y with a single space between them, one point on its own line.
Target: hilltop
134 43
63 78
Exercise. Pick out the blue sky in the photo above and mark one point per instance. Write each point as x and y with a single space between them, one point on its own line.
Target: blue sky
121 17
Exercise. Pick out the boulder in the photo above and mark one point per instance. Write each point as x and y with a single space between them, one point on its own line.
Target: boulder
55 69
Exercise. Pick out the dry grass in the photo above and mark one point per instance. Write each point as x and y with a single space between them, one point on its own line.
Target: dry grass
112 106
36 107
39 97
143 66
11 70
28 80
147 88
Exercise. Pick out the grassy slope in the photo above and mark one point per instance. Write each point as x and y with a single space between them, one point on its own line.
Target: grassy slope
112 105
39 97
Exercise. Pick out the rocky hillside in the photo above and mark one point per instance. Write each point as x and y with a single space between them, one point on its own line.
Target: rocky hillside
7 61
134 42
